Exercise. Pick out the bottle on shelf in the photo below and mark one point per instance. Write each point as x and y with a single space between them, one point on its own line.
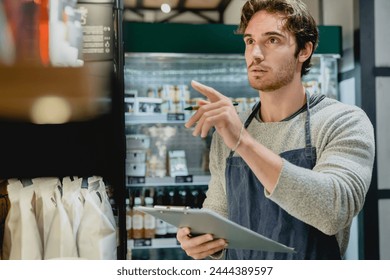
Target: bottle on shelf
149 220
161 225
201 197
137 219
129 230
172 196
198 195
128 219
183 198
129 255
192 192
172 199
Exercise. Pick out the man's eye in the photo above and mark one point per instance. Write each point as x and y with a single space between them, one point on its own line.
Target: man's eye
273 40
249 41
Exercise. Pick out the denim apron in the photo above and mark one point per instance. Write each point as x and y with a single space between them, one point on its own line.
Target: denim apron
248 206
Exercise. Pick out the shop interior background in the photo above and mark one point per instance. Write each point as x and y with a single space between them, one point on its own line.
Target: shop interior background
364 77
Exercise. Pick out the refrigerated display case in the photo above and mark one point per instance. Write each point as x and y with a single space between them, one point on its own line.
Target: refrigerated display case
164 79
322 78
157 75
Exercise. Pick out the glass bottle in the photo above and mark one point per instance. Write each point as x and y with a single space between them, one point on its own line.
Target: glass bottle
149 220
137 220
173 199
128 219
161 225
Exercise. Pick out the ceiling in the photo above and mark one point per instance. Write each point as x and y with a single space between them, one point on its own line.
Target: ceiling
178 7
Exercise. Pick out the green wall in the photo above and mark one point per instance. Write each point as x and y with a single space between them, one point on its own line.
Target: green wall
205 38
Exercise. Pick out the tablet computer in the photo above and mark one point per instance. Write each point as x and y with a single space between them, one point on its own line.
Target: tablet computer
202 221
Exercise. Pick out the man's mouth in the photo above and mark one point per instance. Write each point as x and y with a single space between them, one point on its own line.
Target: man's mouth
257 69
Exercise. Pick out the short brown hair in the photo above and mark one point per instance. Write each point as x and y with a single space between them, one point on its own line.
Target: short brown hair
297 20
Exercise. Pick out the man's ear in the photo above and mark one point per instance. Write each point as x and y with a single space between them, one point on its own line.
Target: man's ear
305 53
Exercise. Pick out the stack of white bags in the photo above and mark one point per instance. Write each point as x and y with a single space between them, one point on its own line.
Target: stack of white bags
50 219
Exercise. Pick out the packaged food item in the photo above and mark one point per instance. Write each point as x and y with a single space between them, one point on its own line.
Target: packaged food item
137 141
135 169
96 238
116 218
73 202
45 207
136 155
167 94
183 98
177 163
22 240
147 105
4 208
61 241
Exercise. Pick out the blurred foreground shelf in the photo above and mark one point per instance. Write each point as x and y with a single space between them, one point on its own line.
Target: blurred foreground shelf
28 89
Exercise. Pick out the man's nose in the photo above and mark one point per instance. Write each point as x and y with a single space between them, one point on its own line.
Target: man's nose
257 53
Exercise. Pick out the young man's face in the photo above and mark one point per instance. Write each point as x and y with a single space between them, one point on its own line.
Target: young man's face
269 52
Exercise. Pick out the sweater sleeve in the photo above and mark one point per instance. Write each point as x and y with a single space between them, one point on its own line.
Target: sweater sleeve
216 194
330 195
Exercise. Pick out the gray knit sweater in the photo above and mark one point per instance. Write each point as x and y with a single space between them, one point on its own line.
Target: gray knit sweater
330 195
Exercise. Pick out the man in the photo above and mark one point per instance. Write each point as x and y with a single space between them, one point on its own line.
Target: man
296 168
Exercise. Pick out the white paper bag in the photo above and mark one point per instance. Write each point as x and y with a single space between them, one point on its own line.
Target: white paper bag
73 202
61 242
45 205
21 237
12 222
31 243
96 238
105 203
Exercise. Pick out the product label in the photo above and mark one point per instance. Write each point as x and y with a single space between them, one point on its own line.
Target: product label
98 31
138 221
149 222
128 222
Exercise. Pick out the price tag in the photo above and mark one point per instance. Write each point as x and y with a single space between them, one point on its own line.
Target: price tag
184 179
136 180
175 117
144 242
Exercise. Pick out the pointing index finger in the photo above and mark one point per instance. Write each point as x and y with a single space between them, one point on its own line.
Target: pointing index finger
207 91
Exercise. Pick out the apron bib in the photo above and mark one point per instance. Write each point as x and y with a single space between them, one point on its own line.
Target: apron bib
248 206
